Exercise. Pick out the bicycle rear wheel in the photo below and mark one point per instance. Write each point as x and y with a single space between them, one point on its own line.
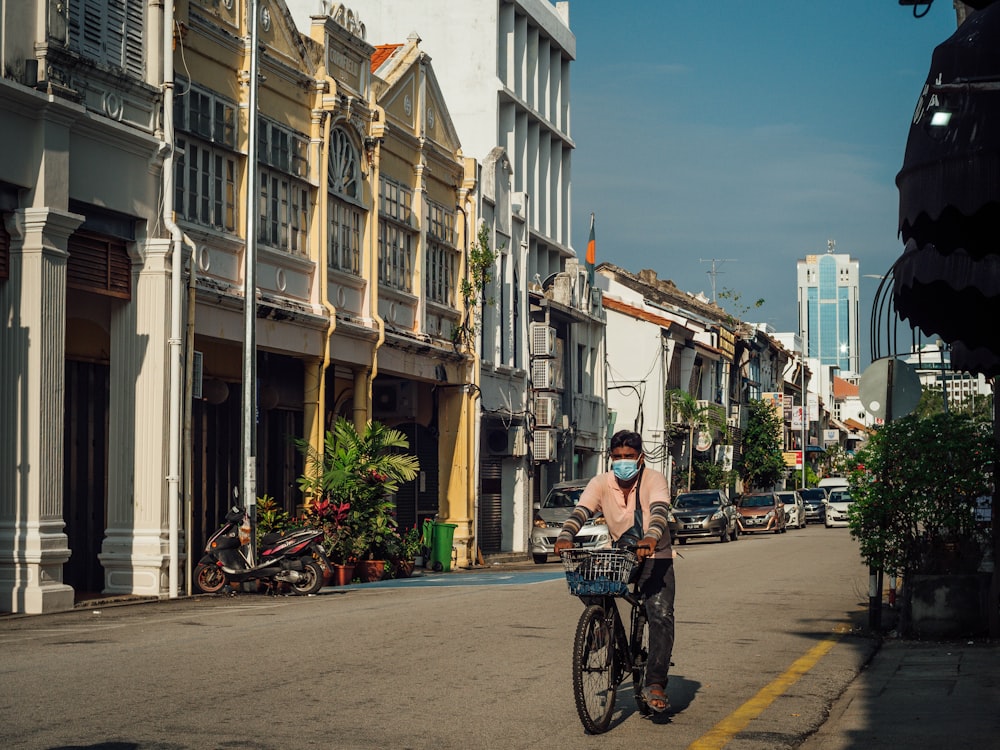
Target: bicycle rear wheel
594 683
640 652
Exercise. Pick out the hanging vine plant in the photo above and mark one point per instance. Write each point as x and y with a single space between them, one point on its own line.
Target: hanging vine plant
480 262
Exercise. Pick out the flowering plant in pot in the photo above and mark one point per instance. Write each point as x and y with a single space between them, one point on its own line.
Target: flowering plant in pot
362 470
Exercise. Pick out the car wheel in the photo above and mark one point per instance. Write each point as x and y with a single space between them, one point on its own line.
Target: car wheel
724 536
735 533
539 559
682 540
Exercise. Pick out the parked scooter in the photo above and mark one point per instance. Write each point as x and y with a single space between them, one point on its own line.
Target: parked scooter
293 557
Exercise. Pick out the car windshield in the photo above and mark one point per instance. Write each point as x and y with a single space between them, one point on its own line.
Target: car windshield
813 494
563 498
838 496
787 499
757 501
696 501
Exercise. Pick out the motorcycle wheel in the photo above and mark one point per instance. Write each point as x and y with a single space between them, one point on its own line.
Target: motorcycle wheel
312 578
209 578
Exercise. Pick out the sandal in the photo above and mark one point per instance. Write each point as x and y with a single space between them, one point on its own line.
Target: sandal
656 698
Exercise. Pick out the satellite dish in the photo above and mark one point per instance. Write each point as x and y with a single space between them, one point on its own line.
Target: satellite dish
889 384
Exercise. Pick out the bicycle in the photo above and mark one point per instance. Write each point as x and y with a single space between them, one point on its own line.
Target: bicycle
603 654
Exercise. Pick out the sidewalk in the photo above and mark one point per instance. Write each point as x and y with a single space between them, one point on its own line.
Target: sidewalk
919 694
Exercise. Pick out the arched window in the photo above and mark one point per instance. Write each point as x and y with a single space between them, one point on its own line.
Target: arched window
345 214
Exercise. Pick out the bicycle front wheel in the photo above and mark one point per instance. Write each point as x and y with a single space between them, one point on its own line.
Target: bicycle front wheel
594 683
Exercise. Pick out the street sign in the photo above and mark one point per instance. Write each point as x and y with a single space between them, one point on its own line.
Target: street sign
890 387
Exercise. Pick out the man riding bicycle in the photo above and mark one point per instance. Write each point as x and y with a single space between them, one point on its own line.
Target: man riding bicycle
635 501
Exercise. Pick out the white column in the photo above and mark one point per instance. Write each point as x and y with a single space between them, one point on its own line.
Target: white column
33 546
135 552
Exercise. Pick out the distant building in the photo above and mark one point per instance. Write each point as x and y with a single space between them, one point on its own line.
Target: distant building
829 309
933 366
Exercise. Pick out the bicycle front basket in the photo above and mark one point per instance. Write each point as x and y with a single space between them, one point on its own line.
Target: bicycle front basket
598 572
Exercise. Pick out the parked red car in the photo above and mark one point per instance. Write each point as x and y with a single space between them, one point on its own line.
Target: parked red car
762 511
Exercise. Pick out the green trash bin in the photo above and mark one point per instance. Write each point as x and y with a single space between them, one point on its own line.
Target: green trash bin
444 535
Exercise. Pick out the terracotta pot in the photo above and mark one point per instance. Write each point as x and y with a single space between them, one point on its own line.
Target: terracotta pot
341 575
404 568
370 570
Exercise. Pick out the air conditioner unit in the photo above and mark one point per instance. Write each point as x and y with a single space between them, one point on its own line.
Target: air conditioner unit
498 442
546 375
545 445
547 410
543 340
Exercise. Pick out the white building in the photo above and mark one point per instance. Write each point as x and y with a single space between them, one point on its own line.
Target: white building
829 309
933 366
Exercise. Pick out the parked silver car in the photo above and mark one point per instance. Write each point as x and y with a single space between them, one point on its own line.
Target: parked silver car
795 509
703 514
815 502
552 513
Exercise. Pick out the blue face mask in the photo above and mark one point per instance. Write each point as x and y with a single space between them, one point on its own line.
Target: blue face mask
625 468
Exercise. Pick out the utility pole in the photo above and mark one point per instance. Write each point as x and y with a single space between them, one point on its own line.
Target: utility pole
715 272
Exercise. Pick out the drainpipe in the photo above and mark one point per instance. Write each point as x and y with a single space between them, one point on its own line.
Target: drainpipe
374 167
317 436
186 431
472 394
176 274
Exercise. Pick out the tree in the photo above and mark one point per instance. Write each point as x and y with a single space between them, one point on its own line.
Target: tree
692 415
915 486
763 464
741 309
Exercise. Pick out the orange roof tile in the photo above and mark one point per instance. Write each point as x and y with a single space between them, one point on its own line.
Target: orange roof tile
843 389
382 53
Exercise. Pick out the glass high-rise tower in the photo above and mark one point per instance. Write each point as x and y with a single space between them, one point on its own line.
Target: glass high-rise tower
829 309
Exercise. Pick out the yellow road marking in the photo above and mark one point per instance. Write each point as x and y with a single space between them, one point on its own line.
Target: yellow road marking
720 735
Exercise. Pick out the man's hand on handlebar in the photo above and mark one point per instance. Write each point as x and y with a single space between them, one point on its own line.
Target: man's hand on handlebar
562 544
645 548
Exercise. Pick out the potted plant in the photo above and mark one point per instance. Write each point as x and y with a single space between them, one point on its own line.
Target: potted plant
338 536
362 470
410 548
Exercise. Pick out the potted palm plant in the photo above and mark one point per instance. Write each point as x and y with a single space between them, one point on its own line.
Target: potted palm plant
361 470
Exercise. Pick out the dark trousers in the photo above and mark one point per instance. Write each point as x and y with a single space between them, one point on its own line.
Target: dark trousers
657 584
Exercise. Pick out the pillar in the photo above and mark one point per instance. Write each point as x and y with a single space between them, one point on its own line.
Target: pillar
33 545
135 552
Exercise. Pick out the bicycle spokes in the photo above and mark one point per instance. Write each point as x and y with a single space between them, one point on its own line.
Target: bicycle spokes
594 683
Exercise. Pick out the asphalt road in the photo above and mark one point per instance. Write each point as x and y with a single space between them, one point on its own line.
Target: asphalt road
461 660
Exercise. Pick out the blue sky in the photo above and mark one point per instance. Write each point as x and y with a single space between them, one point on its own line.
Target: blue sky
750 130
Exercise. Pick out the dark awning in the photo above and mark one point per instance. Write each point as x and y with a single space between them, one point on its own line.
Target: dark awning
947 281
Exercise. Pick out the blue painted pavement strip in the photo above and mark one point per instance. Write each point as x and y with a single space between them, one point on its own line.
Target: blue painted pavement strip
439 580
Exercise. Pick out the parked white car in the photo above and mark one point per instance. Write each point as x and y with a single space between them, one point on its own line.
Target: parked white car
837 508
795 509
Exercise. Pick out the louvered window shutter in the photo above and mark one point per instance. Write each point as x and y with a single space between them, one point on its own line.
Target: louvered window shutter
99 264
110 32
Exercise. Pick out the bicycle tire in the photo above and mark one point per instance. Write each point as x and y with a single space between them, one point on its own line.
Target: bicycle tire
640 653
594 685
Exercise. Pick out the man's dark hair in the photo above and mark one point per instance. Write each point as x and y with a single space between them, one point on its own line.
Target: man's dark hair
626 439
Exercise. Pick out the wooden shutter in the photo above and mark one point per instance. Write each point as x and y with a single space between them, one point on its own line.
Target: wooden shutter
110 32
99 264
